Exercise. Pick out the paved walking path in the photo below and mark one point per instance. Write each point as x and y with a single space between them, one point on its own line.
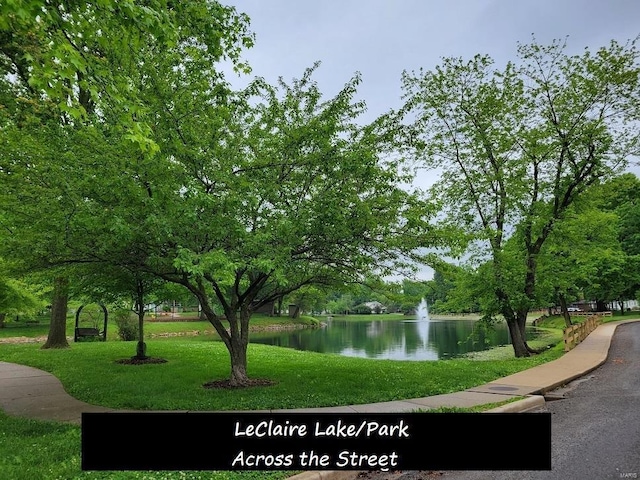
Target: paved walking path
33 393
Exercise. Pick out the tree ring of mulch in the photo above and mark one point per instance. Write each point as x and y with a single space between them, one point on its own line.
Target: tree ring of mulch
140 361
252 382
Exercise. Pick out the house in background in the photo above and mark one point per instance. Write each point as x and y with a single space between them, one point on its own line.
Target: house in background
375 307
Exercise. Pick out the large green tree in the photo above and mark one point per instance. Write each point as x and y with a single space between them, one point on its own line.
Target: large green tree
69 73
518 145
617 277
621 196
571 257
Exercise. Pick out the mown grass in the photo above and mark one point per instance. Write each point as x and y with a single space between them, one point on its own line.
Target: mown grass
46 450
34 449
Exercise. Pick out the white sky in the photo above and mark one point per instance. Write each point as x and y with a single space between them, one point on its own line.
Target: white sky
382 38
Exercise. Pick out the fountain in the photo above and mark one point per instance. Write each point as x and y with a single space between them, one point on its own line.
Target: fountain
422 319
422 311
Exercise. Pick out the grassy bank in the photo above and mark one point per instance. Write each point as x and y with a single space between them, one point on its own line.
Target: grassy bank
39 326
302 379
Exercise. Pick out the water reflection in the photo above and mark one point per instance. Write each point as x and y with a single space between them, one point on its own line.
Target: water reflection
407 339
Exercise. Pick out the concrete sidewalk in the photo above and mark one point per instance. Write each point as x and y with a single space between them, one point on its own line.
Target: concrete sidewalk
33 393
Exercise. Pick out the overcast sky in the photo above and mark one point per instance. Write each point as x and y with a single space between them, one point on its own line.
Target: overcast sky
382 38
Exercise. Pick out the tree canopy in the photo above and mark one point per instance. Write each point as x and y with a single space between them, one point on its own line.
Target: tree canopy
84 56
517 146
124 149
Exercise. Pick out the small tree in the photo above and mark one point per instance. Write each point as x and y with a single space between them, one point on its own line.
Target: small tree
292 196
104 282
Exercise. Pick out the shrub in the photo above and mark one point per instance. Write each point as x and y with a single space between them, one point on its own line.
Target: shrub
127 324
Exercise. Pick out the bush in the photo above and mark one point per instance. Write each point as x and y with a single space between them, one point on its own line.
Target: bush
127 324
362 310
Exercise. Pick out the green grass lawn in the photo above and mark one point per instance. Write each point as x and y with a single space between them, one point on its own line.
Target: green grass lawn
302 379
33 449
88 370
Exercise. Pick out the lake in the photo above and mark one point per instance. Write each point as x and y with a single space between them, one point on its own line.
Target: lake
404 339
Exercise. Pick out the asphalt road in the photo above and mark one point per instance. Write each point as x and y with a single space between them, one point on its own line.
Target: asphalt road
595 425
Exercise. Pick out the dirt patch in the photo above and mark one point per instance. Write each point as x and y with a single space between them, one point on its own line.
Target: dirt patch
40 339
226 384
140 361
264 328
188 333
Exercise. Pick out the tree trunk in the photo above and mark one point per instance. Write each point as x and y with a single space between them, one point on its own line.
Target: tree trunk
237 346
238 353
2 317
236 339
239 343
518 340
57 337
621 305
141 347
565 312
516 322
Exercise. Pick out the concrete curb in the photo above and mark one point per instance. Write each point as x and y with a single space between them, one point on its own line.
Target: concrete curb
326 475
532 402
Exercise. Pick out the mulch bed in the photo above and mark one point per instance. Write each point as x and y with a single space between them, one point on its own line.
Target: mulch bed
226 384
140 361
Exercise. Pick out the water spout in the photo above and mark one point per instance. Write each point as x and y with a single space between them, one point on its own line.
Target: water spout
422 311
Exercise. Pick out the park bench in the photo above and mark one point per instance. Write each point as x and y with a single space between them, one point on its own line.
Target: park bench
87 332
93 333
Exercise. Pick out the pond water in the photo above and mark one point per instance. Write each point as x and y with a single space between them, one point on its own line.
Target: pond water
404 339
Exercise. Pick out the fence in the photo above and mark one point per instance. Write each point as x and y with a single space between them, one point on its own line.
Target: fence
574 334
